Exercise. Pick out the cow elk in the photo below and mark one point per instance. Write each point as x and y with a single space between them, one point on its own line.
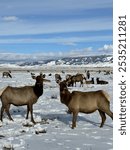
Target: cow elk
85 102
19 96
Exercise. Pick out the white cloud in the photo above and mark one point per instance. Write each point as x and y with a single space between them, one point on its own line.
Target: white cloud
55 26
62 40
78 52
68 43
88 51
106 49
37 16
9 18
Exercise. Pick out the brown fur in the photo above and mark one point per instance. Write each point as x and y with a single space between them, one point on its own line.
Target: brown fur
57 78
85 102
101 81
68 76
75 78
19 96
2 90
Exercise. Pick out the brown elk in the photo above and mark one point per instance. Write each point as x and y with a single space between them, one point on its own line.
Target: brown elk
75 78
57 78
90 81
7 74
68 76
85 102
101 81
19 96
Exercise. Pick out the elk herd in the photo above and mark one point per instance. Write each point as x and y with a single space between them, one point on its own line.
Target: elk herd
76 101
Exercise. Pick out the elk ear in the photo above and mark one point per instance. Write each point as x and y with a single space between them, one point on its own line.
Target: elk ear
33 77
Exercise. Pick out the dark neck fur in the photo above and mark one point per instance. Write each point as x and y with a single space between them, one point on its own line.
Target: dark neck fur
65 97
38 89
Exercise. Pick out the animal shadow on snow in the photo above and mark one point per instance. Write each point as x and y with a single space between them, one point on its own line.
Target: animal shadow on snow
67 119
17 111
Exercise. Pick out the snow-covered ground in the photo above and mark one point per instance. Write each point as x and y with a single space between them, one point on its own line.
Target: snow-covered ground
53 129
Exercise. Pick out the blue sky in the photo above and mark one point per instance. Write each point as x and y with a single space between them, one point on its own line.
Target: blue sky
56 27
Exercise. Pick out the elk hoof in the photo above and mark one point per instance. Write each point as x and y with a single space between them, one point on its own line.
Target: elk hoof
73 126
11 119
33 122
101 126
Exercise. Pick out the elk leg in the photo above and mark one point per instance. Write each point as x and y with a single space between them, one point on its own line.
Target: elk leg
103 116
7 111
69 111
27 111
74 119
82 83
2 110
31 111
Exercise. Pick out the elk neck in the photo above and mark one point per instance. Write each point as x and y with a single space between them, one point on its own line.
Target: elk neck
38 89
65 97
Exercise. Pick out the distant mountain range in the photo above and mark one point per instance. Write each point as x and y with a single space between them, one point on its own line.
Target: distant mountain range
85 60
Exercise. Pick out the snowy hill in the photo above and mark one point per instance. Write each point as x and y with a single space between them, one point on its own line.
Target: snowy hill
85 60
77 63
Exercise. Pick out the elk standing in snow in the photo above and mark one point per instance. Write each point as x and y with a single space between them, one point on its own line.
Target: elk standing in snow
85 102
19 96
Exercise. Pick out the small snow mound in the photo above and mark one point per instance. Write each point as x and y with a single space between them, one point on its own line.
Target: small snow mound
8 146
27 124
40 130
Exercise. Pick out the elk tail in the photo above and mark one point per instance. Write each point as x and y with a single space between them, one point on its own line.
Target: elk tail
106 95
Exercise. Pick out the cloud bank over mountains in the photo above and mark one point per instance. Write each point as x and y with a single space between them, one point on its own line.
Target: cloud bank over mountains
105 50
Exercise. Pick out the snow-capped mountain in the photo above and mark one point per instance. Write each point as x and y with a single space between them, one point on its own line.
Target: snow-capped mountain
70 61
